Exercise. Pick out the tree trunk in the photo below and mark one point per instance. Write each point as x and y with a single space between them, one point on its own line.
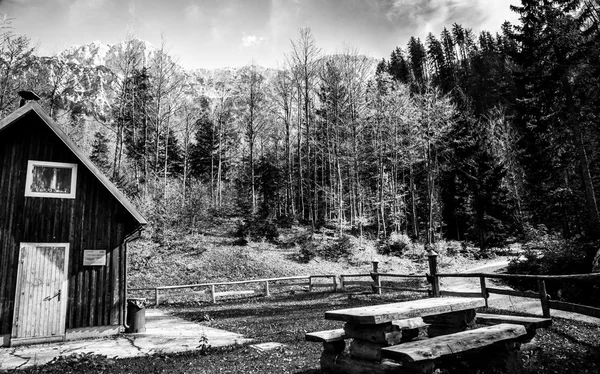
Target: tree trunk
593 225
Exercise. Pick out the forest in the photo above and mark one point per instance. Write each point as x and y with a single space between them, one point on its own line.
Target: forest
483 138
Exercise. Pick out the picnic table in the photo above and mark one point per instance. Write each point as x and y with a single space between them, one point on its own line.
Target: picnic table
409 336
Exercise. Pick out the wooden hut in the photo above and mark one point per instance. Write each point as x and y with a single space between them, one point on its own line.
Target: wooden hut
64 229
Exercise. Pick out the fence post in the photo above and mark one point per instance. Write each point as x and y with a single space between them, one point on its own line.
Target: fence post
334 279
544 298
435 280
484 292
212 293
156 299
310 286
342 282
376 278
267 291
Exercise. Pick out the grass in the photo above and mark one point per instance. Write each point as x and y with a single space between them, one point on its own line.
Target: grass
566 347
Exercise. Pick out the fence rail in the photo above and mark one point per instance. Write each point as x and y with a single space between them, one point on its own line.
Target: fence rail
378 282
545 302
267 285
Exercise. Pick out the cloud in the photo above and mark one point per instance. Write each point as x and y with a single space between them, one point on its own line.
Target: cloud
252 40
193 12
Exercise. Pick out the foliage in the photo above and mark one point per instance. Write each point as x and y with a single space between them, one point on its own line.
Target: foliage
99 154
548 253
309 249
78 362
336 249
395 245
258 229
204 348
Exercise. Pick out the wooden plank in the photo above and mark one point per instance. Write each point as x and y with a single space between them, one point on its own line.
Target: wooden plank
287 285
536 322
238 293
18 303
15 342
232 283
391 275
575 308
325 336
404 289
408 309
64 262
356 275
323 285
366 350
502 291
358 283
461 294
410 323
591 277
46 317
383 333
445 345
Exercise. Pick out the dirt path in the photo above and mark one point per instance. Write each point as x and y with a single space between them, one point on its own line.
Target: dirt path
511 303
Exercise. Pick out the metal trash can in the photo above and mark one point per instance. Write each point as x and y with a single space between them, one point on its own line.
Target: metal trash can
136 315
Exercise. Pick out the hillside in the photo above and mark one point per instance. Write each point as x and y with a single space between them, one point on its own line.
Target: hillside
217 256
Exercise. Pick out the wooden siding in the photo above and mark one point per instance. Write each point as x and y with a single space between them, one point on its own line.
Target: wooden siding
93 220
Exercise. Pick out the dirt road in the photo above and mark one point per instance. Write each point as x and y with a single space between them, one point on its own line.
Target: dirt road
512 303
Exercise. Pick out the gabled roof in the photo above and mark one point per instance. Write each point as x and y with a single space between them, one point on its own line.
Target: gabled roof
35 107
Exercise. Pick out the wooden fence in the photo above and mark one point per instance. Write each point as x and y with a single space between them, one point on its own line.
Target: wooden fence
545 302
378 282
264 287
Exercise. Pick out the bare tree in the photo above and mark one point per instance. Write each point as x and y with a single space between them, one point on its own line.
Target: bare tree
304 61
251 104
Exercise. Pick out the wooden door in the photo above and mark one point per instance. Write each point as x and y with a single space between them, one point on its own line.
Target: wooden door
41 293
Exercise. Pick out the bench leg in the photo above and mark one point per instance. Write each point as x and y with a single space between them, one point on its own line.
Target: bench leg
503 357
449 323
344 364
334 347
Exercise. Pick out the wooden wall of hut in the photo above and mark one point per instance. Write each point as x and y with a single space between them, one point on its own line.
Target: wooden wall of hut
93 220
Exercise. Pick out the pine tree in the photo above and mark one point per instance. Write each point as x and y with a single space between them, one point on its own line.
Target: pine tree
552 108
99 155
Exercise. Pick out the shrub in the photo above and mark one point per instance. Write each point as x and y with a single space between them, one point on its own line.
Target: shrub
340 248
453 248
553 255
308 250
395 245
258 229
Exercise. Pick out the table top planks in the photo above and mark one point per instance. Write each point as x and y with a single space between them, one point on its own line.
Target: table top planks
383 313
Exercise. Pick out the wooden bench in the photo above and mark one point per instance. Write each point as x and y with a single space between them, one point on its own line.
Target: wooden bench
420 355
326 336
333 340
530 323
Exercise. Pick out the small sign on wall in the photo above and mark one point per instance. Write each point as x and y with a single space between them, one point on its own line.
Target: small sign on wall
94 257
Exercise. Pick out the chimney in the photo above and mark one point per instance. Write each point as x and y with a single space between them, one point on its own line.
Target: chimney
27 96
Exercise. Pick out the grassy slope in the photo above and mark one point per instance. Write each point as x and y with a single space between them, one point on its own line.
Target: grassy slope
213 258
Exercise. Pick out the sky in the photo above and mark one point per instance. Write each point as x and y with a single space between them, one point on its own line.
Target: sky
221 33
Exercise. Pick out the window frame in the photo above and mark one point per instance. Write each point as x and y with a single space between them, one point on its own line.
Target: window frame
56 195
